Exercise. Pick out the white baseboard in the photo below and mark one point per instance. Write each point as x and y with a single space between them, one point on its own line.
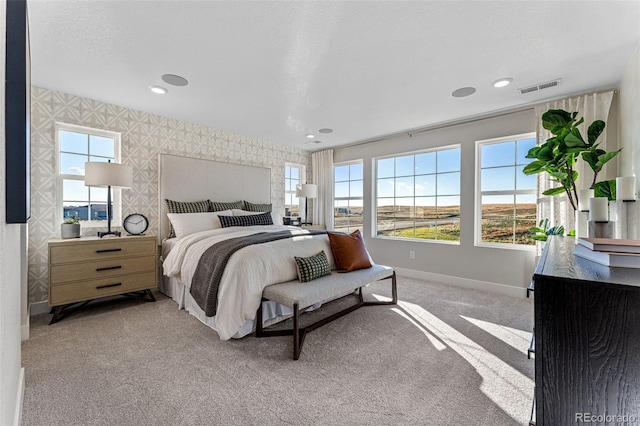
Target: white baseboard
490 287
17 418
24 331
39 308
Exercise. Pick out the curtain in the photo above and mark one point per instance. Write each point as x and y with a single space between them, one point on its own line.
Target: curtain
322 175
592 107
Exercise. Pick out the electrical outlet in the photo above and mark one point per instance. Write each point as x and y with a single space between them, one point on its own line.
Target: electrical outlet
412 254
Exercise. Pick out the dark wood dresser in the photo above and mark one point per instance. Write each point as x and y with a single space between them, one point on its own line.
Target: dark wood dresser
587 339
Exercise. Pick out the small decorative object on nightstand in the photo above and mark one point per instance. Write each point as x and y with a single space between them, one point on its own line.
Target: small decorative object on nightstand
84 269
295 221
135 224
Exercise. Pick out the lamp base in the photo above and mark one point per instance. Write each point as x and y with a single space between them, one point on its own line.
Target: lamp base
104 234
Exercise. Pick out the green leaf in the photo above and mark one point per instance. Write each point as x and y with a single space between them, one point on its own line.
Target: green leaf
534 230
545 153
554 191
534 167
533 152
591 158
555 119
604 158
538 237
574 139
606 189
572 233
595 130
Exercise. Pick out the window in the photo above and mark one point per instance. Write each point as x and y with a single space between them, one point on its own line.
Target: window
418 195
347 198
507 198
77 145
293 175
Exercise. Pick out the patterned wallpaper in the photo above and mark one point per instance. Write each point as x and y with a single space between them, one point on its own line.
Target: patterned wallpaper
144 136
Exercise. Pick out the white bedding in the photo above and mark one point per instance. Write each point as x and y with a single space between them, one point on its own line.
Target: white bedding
248 271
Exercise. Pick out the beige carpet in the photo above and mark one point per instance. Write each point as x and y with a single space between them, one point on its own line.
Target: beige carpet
444 356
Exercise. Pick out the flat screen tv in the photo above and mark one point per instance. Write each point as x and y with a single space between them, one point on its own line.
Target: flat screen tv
17 114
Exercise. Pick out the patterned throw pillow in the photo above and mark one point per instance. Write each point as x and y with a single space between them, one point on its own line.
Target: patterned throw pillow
310 268
257 207
217 206
250 220
185 207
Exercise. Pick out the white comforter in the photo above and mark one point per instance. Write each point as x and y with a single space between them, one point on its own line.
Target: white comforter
248 271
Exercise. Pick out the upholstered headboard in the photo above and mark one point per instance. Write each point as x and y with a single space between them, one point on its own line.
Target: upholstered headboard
194 179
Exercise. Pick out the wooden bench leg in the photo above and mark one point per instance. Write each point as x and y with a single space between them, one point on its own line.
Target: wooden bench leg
296 332
394 293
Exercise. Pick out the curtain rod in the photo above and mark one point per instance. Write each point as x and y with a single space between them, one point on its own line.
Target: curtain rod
471 119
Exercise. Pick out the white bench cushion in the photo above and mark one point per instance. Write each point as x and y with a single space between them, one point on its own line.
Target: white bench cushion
321 289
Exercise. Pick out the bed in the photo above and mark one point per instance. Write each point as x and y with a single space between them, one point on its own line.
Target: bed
248 270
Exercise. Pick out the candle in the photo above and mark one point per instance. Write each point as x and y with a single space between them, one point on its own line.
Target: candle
626 188
598 209
583 199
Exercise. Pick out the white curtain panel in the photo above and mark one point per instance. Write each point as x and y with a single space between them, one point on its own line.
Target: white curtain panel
322 175
592 107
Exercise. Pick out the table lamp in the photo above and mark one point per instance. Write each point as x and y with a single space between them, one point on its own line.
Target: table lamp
108 175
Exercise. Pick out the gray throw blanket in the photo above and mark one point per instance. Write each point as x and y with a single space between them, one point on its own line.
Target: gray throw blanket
206 279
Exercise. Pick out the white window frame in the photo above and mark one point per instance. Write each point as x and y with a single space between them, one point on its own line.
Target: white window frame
478 193
374 201
348 163
116 193
302 173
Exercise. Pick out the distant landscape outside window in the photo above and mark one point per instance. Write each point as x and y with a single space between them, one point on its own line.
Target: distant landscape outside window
76 148
418 195
347 207
292 176
507 196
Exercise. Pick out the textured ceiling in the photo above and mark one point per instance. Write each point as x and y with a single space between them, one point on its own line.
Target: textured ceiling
277 70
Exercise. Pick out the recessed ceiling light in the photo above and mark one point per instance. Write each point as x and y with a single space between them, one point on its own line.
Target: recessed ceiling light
158 90
326 130
174 80
502 82
317 141
310 136
463 91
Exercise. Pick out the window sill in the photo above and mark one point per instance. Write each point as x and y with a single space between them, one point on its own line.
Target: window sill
503 246
419 240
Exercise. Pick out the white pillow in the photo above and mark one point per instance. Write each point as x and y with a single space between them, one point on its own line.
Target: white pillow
190 223
238 212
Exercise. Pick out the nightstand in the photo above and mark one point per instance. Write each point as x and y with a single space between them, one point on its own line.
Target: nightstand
84 269
318 227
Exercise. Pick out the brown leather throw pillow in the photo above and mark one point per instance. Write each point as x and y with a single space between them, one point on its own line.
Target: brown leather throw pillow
349 251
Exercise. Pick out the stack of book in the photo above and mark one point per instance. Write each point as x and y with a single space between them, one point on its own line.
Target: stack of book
609 251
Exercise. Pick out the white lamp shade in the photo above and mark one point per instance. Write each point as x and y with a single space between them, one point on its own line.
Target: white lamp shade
307 190
108 174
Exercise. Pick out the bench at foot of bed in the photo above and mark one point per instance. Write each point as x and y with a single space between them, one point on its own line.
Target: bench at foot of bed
299 296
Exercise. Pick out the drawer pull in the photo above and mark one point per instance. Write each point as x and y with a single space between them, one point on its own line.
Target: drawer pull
107 286
108 250
108 268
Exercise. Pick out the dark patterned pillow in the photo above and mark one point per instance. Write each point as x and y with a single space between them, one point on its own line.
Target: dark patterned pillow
257 207
312 267
185 207
217 206
249 220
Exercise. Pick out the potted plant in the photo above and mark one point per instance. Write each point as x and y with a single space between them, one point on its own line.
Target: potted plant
560 153
70 228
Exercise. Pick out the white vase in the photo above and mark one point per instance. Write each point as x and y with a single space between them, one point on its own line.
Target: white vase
582 223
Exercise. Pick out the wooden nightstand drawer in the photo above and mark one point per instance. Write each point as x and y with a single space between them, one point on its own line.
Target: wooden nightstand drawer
93 249
74 292
100 269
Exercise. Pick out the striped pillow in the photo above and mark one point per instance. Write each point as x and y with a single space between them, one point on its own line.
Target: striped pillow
257 207
310 268
185 207
217 206
249 220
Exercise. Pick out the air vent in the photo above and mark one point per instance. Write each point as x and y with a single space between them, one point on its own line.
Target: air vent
540 86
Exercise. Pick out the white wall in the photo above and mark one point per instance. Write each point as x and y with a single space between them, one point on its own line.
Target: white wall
11 377
462 264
